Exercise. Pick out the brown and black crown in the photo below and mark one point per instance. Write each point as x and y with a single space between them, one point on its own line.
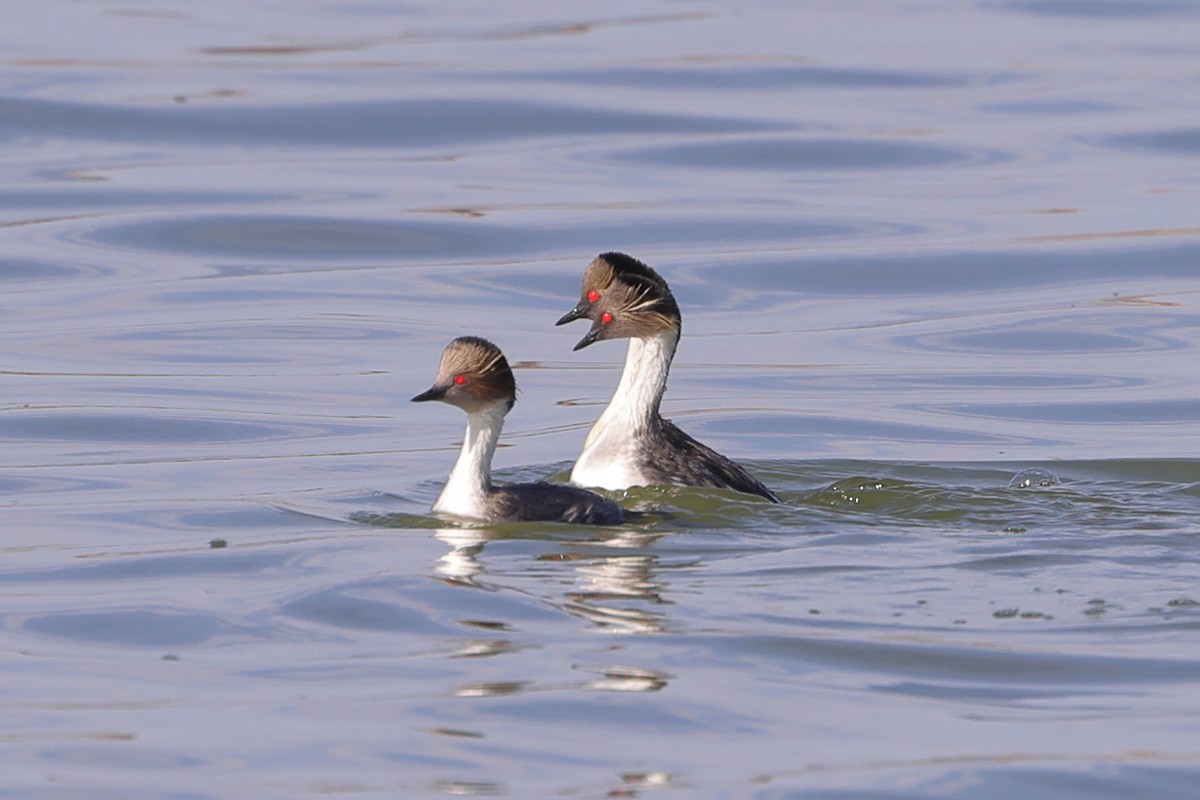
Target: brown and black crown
618 288
628 269
473 374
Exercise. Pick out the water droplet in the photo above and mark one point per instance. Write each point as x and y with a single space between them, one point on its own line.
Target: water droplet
1034 478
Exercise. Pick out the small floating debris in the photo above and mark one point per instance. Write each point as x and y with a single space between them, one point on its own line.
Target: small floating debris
459 732
1034 478
1016 613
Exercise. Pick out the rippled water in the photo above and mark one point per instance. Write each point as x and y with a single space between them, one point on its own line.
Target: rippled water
939 271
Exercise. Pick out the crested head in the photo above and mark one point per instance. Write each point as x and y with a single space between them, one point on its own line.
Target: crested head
629 270
473 375
624 298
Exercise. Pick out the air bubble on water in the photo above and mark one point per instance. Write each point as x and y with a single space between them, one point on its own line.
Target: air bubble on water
1034 478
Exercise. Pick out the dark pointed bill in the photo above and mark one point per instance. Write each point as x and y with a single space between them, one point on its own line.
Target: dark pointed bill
432 393
590 337
578 312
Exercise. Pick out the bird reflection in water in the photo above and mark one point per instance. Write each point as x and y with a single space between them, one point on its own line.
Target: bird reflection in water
615 574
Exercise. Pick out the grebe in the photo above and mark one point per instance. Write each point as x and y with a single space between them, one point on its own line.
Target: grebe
475 376
631 444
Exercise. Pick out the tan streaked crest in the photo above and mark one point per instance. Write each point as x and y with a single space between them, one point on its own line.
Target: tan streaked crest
473 373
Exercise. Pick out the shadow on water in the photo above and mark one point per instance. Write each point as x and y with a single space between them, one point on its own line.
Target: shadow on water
739 76
413 123
1176 142
287 239
1101 9
931 274
797 154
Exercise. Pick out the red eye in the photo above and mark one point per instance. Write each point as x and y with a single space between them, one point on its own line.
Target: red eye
593 296
459 380
606 317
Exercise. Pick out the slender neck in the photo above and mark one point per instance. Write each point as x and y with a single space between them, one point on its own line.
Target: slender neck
471 479
634 405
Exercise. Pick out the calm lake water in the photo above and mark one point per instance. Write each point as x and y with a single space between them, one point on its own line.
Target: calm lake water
939 265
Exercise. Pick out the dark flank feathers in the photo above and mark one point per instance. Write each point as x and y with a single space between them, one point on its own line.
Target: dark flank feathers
684 460
541 502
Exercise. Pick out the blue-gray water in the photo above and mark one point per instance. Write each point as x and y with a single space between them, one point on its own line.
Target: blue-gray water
939 266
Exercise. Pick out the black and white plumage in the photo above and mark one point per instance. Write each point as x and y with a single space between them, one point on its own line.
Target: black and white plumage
631 444
474 376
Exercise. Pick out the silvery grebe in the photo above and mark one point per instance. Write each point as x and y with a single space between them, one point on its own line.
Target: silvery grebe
475 376
631 444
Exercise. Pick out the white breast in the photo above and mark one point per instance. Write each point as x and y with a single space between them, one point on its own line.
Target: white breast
610 453
458 499
608 463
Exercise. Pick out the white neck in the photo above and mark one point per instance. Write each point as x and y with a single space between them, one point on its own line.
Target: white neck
643 381
609 452
467 488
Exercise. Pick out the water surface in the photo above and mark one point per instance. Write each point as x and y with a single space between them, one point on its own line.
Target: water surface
938 272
